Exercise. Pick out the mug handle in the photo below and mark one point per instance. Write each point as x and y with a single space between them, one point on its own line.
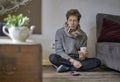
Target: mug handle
4 31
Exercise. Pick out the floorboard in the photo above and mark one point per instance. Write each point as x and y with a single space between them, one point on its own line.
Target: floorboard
98 75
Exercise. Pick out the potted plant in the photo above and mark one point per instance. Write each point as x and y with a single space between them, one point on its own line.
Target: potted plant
17 26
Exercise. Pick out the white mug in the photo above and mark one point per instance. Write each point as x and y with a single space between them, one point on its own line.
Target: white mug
83 49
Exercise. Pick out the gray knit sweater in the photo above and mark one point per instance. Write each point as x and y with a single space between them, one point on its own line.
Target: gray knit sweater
65 45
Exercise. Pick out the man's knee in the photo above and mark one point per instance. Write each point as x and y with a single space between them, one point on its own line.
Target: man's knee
91 63
98 62
53 58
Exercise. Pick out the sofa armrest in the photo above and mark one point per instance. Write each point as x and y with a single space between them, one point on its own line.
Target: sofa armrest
109 54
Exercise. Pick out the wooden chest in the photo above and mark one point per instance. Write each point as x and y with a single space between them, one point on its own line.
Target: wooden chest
20 62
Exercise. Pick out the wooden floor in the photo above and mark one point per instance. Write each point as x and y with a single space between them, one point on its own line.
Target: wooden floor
99 75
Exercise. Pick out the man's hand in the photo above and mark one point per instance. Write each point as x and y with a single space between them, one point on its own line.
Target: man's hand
83 54
76 63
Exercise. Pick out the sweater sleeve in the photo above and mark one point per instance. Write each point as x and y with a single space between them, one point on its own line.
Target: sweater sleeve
59 46
84 40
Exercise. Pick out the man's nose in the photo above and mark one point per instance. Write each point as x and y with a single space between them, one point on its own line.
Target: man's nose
72 22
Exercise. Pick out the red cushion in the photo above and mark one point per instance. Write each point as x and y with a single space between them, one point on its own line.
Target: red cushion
110 31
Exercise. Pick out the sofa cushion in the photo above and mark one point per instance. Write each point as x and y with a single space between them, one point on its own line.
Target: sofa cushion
99 21
110 31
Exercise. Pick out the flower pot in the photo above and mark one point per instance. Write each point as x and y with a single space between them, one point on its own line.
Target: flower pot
18 34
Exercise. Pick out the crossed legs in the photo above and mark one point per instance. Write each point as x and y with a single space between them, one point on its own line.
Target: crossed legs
87 64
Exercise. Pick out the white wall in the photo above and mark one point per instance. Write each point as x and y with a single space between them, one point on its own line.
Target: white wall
53 17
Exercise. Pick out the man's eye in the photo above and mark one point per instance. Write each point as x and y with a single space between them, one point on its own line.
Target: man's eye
75 20
70 20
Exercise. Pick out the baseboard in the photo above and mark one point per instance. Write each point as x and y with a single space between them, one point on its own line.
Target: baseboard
46 62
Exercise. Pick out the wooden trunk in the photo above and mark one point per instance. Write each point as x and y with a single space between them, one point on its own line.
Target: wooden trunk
20 63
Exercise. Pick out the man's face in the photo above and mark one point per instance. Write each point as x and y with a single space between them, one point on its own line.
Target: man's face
72 22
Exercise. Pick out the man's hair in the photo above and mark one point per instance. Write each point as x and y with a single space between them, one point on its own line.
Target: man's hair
73 12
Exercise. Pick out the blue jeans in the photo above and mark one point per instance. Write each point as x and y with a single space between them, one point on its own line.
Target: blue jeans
87 64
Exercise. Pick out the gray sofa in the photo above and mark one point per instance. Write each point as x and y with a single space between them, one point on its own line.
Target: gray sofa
108 40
